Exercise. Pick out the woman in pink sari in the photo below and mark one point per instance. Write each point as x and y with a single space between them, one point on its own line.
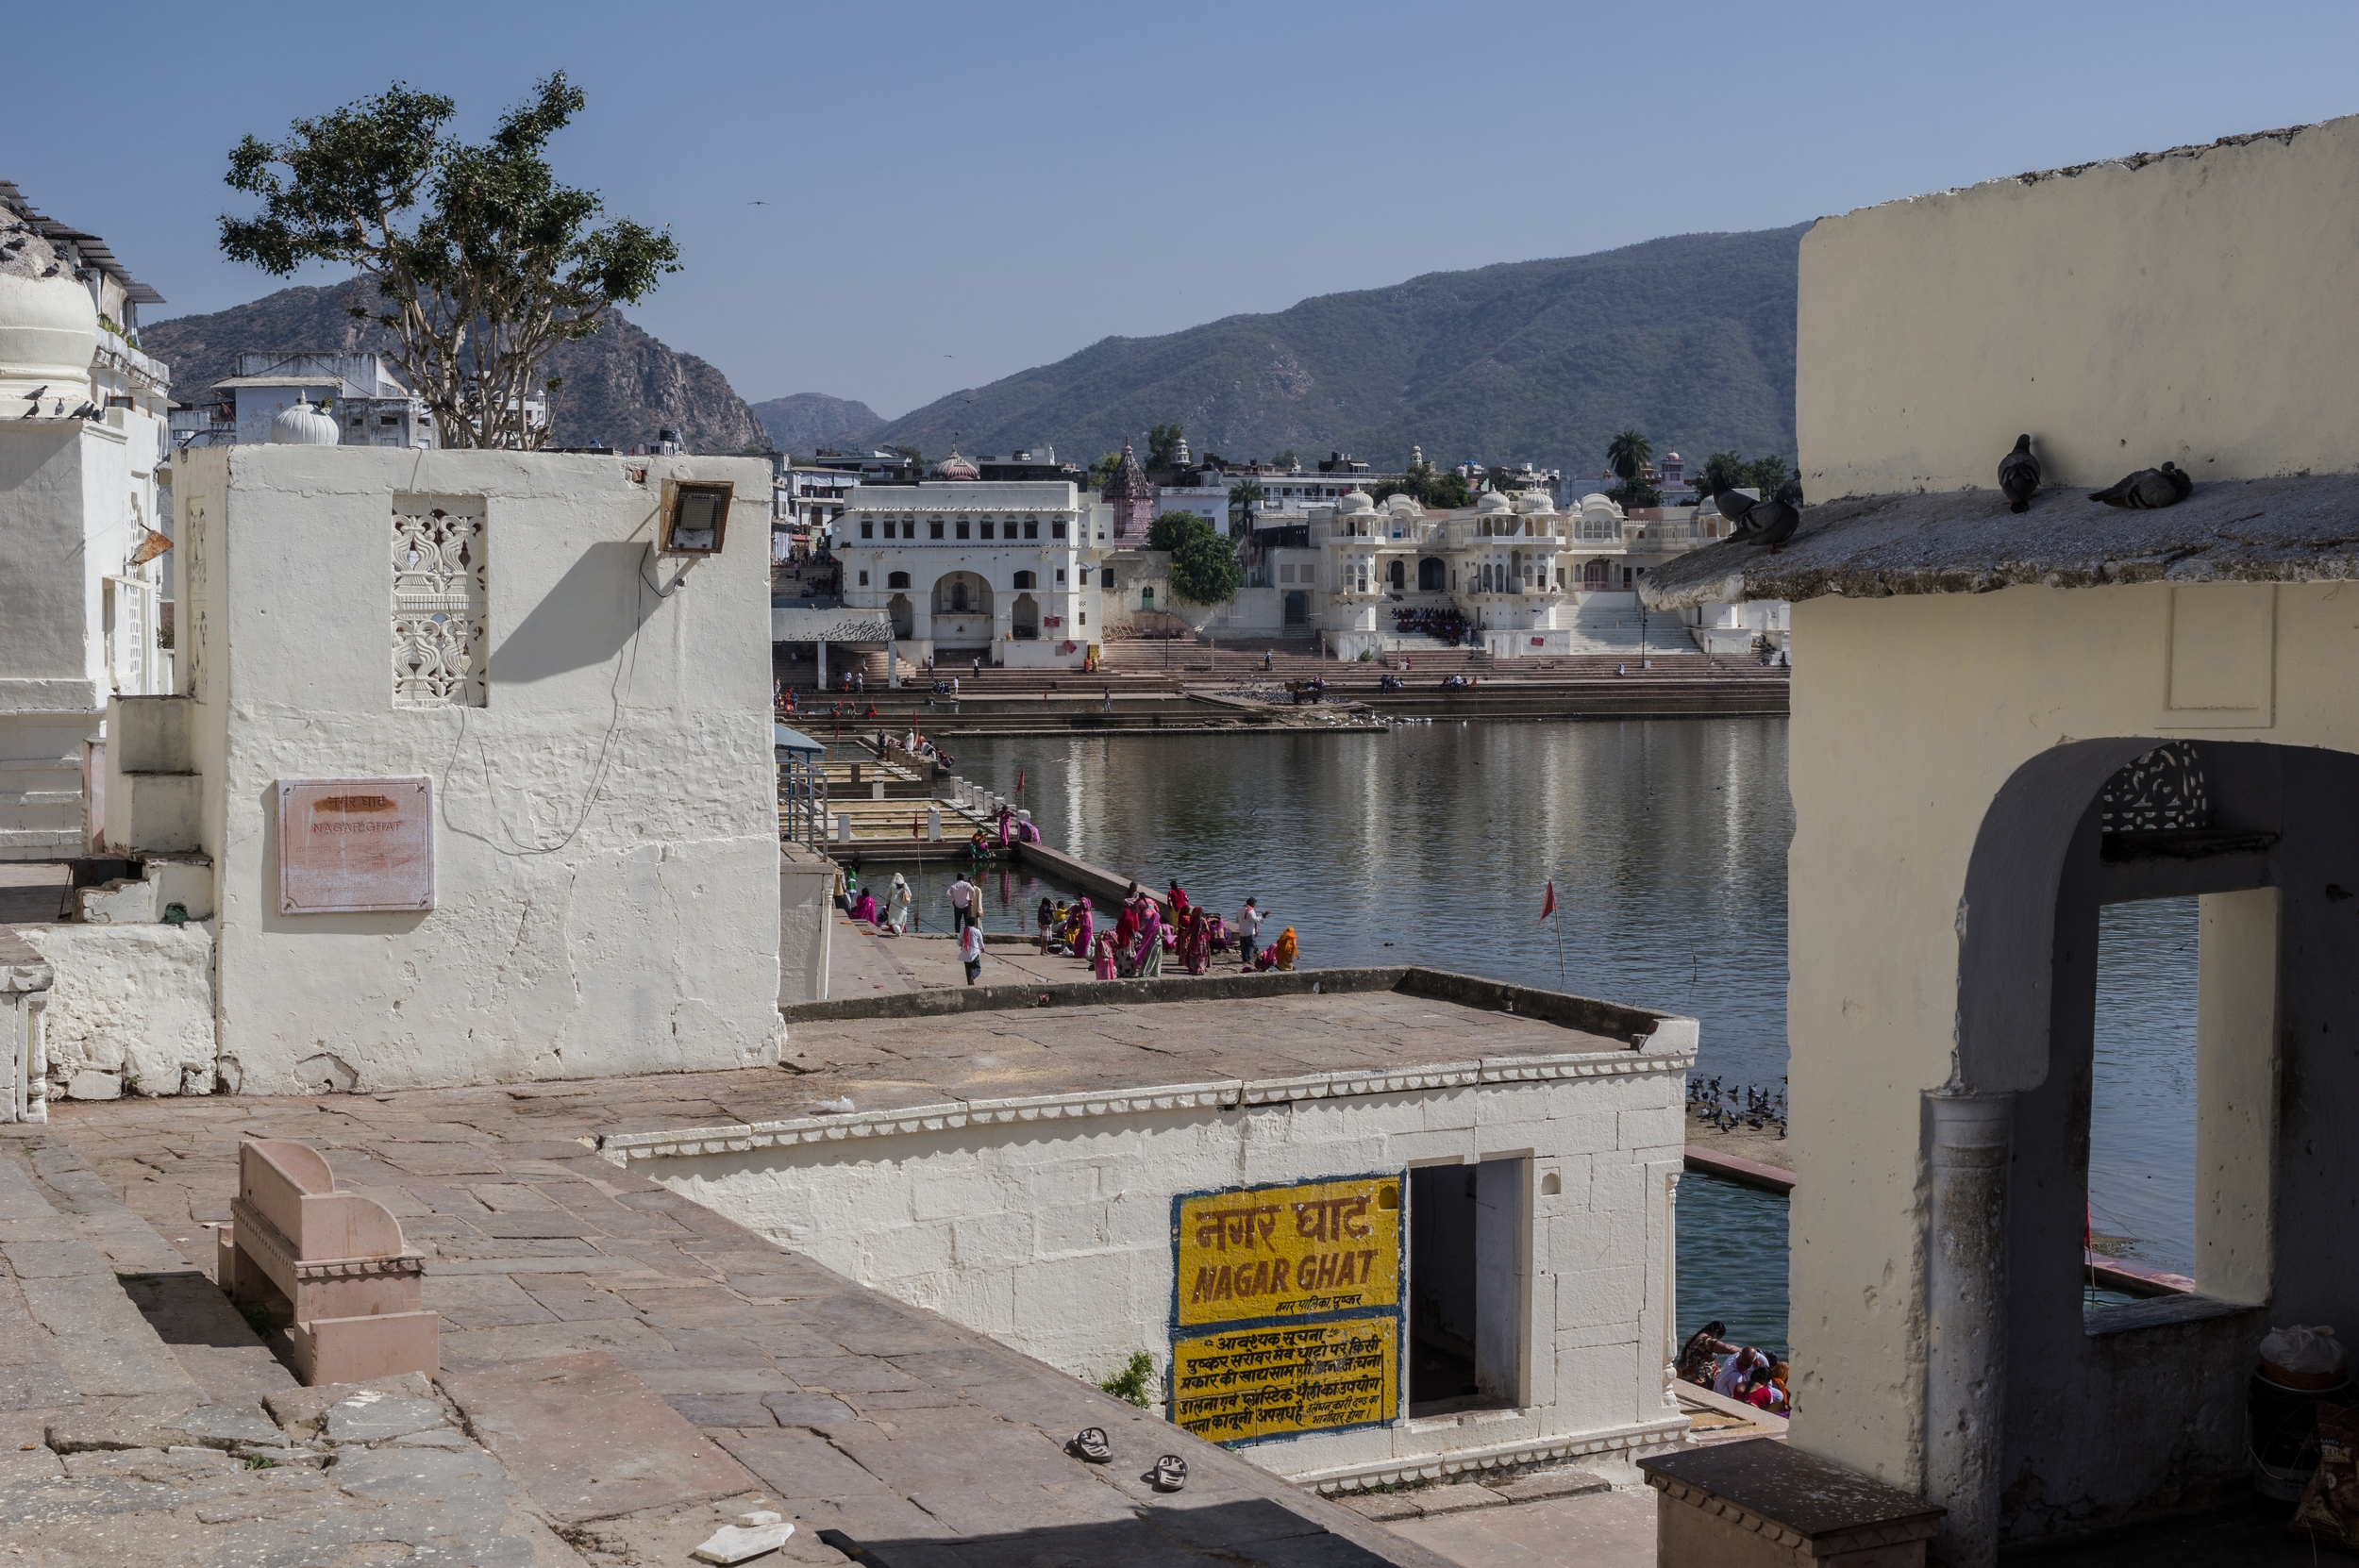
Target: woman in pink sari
1147 962
1196 942
1102 965
1085 933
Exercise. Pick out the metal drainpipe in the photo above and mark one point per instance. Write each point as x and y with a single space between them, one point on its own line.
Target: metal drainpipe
1967 1305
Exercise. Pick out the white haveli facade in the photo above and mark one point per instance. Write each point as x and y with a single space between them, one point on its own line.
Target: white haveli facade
973 567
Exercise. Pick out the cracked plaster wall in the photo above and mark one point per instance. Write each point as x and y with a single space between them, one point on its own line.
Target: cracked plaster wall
131 1009
2192 306
606 839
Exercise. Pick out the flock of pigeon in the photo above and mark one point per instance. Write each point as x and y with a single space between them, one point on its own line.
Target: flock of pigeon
2148 489
1773 522
1737 1105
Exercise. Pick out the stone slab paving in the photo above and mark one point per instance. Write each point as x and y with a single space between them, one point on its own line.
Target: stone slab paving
602 1332
1602 1530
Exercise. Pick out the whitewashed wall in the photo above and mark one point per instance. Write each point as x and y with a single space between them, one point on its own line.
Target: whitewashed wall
606 835
1051 1230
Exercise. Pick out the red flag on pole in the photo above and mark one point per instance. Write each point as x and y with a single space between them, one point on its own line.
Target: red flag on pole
1548 906
1019 781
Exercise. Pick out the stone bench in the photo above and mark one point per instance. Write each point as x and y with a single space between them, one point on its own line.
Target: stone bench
1760 1504
329 1265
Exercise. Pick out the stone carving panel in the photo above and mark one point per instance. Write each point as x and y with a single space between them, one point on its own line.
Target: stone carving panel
2163 791
441 593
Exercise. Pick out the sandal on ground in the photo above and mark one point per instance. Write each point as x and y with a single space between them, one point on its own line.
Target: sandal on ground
1170 1473
1090 1443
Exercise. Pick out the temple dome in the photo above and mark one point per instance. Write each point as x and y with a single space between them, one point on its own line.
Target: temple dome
304 425
48 331
1354 505
1534 501
956 467
1494 501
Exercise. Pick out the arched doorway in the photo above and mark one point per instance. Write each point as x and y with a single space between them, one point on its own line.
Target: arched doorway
1024 616
1595 576
1396 576
1432 577
904 614
962 593
1298 609
2026 1385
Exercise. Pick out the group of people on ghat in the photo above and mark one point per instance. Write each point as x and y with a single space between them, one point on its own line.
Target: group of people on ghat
1447 624
1147 930
1736 1371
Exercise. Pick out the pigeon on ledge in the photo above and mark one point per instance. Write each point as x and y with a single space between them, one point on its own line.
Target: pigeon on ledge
1737 508
2149 490
1773 522
2018 475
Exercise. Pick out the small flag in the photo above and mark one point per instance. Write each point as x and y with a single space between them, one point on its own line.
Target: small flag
1019 781
1548 906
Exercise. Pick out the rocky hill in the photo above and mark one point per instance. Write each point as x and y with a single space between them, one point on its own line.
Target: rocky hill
807 421
1689 339
621 385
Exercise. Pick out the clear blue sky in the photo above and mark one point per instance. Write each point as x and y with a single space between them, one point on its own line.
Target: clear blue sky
959 192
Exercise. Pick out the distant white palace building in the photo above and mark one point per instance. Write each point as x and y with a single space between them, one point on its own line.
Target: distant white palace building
968 567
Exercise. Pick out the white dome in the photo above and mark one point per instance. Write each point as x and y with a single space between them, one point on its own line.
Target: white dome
48 331
1493 500
1354 504
1534 501
304 425
1403 506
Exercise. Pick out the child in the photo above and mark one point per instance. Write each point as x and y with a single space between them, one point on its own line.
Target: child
1102 964
971 952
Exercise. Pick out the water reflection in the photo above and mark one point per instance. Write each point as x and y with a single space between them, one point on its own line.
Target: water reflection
2142 1090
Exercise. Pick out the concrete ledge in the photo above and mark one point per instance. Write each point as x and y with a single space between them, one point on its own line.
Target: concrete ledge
1638 1027
1736 1168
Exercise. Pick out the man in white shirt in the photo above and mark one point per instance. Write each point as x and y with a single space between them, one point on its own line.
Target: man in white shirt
962 904
1248 931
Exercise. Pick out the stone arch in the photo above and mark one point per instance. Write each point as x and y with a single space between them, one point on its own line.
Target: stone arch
1433 575
1397 576
1024 615
1595 576
1026 579
961 593
897 579
904 614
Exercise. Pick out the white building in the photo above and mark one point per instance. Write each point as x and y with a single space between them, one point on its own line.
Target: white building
370 406
975 567
462 782
82 441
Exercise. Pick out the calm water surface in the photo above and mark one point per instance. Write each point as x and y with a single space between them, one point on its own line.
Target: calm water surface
1667 840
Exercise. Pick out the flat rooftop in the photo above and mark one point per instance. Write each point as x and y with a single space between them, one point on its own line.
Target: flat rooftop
1225 1039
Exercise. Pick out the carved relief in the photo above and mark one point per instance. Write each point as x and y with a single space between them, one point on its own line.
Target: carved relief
2163 791
440 596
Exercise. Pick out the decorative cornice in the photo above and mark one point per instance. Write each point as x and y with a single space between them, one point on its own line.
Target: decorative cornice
1637 1440
1224 1095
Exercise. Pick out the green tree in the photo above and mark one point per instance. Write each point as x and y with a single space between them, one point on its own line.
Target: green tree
1722 470
479 262
1103 470
1245 501
1443 492
1204 566
1163 446
1767 473
1284 460
1627 455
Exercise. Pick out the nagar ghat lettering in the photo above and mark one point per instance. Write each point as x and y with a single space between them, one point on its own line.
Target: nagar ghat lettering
1287 1251
1241 1384
350 845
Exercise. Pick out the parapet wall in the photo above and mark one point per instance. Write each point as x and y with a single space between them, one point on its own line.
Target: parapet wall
2189 305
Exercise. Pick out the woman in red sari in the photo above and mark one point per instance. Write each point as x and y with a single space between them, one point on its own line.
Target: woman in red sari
1196 942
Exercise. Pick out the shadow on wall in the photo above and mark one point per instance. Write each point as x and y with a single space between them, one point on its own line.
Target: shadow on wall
586 616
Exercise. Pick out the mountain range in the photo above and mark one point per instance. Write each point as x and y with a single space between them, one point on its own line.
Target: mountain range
808 420
1689 339
620 385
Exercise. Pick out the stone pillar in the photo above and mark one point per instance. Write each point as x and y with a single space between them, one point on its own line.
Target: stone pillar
1966 1374
933 824
821 649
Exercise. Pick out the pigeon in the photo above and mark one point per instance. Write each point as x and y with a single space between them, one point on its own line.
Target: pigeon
2148 488
38 393
50 271
2018 475
88 411
1739 509
1773 522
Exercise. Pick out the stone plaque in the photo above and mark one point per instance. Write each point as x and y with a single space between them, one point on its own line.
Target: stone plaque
354 846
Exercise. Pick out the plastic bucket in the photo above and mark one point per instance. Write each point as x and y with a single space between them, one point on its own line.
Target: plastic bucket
2285 1427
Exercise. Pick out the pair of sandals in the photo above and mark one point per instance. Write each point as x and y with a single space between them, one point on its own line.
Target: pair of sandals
1089 1444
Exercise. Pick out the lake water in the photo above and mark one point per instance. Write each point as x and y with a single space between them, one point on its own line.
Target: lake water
1667 841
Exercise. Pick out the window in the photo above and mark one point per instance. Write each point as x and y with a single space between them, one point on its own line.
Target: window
1056 530
1310 572
1084 617
986 530
1026 579
1285 573
863 579
1060 574
937 530
1107 580
958 593
868 530
1031 528
1146 599
962 527
897 579
909 529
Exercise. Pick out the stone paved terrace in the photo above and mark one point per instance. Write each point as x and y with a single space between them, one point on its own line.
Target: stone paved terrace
622 1369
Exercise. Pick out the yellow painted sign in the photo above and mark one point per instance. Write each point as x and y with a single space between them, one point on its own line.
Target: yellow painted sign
1275 1252
1239 1384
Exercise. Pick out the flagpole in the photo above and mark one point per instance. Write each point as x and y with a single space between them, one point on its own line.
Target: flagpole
1560 947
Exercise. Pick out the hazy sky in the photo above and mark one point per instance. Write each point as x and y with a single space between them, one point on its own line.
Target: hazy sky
956 193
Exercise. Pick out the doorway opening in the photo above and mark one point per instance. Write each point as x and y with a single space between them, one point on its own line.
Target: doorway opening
1467 1271
2142 1089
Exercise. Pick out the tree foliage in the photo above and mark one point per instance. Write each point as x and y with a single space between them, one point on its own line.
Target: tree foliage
1284 463
1103 470
1204 565
1442 491
481 263
1731 471
1628 453
1163 446
1244 501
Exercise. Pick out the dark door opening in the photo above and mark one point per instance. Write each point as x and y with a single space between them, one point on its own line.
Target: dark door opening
1467 1274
